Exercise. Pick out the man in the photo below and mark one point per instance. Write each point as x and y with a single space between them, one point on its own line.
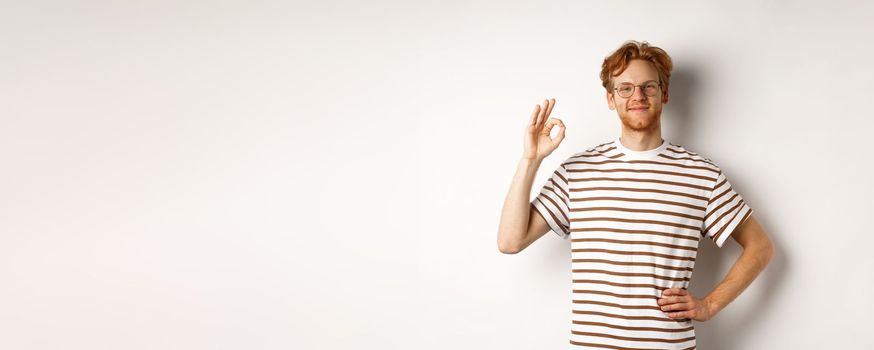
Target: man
635 209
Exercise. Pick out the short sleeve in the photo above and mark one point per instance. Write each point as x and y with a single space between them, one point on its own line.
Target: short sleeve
553 202
726 210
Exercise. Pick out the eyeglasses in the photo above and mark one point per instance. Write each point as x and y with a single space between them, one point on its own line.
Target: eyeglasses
650 88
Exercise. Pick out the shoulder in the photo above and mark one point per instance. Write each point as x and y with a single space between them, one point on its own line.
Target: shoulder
680 153
600 151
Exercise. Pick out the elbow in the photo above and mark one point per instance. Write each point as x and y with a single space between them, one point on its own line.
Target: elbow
765 252
769 252
508 247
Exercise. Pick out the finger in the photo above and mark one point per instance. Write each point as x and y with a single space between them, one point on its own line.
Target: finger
674 291
677 307
551 123
541 118
549 109
533 120
672 300
547 127
679 314
560 135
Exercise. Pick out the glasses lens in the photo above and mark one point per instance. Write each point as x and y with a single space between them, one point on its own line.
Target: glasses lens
651 88
625 89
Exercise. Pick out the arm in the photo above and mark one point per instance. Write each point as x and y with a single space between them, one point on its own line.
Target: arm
519 225
757 252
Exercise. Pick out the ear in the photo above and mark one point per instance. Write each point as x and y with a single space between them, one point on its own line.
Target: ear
665 98
610 101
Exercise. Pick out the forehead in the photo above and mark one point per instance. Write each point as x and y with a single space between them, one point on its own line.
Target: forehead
638 71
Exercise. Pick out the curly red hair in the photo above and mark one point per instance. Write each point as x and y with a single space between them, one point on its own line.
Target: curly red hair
616 63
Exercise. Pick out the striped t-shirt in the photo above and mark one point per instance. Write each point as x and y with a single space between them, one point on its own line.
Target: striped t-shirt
634 219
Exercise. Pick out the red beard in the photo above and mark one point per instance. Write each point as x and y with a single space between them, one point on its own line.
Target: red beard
640 122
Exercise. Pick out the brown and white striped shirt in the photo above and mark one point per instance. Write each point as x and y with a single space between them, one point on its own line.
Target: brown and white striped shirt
634 219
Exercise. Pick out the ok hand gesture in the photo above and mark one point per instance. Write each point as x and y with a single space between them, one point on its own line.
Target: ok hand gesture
538 144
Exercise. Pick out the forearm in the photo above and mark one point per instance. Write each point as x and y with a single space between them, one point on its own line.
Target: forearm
514 215
747 267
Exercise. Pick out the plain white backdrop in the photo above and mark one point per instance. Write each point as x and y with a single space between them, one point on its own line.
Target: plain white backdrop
330 175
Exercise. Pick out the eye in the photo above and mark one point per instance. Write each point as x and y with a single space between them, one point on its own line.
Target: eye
624 88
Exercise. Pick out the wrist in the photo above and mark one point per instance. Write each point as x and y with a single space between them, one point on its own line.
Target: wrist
712 305
530 161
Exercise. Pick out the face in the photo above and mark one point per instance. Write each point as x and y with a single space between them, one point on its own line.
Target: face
638 112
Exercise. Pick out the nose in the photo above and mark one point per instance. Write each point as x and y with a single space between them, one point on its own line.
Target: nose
638 94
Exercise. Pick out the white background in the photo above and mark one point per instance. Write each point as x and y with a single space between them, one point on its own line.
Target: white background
330 175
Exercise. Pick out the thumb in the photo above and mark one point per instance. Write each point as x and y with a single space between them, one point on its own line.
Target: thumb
560 136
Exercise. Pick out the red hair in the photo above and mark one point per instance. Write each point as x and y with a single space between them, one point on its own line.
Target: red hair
616 63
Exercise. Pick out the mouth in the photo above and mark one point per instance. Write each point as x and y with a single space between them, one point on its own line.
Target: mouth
638 109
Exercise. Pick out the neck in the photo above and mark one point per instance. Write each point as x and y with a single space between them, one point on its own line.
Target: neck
641 140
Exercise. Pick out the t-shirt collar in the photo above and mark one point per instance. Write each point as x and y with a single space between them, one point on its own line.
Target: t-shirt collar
647 154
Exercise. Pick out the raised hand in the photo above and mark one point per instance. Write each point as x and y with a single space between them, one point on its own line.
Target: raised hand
538 144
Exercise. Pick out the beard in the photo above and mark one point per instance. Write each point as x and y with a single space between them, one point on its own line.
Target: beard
640 122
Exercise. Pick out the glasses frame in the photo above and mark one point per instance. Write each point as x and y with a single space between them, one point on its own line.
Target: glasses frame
635 86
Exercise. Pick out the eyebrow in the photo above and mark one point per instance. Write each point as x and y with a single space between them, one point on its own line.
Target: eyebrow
646 81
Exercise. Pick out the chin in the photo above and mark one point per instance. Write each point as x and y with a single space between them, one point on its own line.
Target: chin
640 123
